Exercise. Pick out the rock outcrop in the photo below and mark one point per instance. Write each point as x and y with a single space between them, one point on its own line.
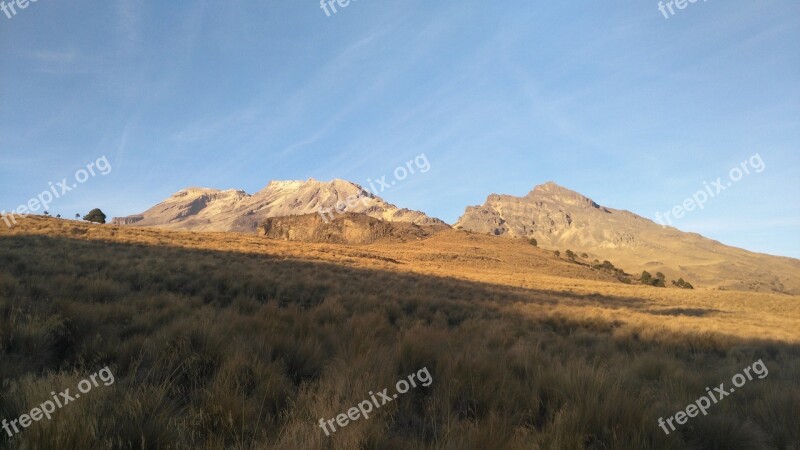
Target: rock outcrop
348 228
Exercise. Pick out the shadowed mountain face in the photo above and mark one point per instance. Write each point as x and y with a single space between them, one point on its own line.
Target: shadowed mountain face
559 218
213 210
347 228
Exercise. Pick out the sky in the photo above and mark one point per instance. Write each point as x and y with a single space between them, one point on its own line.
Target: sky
612 99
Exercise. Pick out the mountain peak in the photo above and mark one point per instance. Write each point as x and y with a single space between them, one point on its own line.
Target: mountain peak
554 192
286 184
299 184
550 186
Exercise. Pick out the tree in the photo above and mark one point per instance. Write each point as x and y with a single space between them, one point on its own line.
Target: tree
646 277
558 254
46 213
58 216
584 255
533 242
95 216
660 276
571 255
77 216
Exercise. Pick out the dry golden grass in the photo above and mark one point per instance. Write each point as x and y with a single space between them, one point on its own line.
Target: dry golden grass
497 261
233 341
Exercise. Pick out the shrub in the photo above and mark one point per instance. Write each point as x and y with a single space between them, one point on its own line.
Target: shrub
648 279
95 216
533 242
681 283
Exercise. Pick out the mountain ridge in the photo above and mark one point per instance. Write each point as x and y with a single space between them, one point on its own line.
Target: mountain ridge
558 218
206 209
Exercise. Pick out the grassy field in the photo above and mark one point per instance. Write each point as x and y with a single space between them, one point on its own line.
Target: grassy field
234 341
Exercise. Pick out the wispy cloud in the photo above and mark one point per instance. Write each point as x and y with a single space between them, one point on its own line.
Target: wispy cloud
128 23
59 62
52 56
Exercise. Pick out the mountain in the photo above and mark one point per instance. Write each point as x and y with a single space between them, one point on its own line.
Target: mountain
234 210
559 218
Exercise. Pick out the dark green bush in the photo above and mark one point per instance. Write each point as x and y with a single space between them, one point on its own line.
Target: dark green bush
95 216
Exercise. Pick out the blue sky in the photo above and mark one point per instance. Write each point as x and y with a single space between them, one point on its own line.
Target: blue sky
607 98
